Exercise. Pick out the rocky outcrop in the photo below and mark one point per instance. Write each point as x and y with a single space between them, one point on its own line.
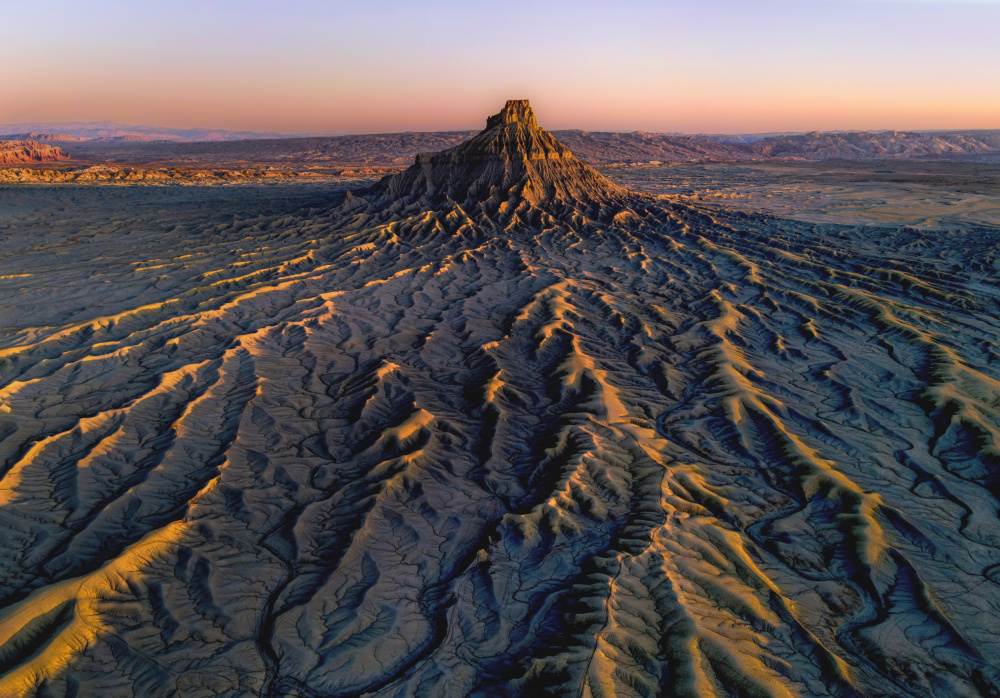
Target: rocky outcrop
512 166
22 152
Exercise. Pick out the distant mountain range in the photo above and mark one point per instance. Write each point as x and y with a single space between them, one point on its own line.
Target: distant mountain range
112 130
109 141
67 131
605 148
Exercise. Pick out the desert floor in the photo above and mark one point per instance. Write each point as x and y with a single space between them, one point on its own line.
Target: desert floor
258 440
929 194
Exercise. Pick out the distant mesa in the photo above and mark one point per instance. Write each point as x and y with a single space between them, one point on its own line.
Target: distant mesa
24 152
42 137
101 130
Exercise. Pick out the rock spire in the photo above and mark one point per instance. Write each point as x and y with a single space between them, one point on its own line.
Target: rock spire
513 160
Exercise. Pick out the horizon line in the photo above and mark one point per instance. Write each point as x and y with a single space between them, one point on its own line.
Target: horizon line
316 134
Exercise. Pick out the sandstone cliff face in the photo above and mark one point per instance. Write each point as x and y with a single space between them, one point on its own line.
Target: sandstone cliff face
21 152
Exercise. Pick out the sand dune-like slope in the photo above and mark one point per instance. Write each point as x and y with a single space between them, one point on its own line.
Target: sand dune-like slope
497 426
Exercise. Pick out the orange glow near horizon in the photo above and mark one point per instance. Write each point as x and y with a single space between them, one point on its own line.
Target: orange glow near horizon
817 65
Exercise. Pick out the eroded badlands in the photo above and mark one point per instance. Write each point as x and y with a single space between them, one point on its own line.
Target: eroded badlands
495 426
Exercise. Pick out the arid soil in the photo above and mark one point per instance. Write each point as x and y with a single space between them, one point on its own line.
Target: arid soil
495 425
928 194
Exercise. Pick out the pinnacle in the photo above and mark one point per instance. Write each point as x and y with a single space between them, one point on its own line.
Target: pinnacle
513 134
515 111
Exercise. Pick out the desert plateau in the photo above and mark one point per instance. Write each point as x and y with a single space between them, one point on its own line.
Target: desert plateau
500 413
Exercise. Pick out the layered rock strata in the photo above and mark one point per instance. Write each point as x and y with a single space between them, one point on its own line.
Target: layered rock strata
23 152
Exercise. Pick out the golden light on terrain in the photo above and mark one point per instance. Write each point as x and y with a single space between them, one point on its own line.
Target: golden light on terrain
497 423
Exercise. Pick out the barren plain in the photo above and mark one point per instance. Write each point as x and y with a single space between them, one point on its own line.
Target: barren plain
499 425
925 194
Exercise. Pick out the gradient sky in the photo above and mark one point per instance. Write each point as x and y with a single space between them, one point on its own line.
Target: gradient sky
298 66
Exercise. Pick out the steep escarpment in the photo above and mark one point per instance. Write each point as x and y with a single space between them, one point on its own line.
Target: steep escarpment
22 152
495 427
